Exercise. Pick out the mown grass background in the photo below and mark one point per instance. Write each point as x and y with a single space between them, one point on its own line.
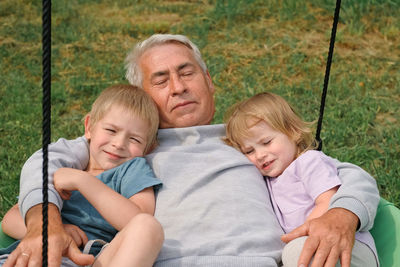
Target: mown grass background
249 46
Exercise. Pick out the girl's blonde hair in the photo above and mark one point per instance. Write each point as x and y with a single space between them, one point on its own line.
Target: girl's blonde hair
134 101
273 110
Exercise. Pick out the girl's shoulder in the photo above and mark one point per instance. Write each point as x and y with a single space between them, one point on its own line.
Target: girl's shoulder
313 161
314 155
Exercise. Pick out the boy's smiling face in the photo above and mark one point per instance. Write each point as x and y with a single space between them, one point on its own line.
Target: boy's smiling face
116 138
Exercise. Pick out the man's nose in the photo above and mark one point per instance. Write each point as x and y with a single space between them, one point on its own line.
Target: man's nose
177 85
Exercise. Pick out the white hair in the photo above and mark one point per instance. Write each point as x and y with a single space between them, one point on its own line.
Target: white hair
133 72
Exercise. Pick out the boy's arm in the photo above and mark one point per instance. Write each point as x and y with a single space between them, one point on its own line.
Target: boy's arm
13 224
322 203
115 208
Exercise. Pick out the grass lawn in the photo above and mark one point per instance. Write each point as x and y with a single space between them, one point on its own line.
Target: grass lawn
249 46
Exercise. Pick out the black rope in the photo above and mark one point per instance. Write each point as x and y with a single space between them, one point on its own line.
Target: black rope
46 85
327 72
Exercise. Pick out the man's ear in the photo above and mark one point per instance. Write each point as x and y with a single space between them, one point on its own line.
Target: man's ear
87 126
210 83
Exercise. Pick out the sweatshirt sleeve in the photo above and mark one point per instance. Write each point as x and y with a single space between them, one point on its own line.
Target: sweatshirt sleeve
358 193
63 153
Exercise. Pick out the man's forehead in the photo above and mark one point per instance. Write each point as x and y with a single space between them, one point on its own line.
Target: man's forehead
168 54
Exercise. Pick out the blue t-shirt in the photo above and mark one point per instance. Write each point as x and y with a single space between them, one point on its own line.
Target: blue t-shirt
127 179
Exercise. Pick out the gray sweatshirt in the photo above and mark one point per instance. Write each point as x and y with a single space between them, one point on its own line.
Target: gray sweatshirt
214 205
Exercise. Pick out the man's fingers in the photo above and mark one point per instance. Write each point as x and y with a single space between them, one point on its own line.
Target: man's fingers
12 258
310 246
332 258
35 261
18 258
76 233
21 256
325 257
54 256
298 232
76 237
78 257
23 260
82 236
345 258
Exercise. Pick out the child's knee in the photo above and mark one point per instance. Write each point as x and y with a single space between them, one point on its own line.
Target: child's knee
146 224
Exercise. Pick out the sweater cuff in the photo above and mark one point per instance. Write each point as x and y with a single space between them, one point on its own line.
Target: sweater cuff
354 206
35 197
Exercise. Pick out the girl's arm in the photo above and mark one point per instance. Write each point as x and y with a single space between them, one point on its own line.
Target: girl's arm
322 203
115 208
13 224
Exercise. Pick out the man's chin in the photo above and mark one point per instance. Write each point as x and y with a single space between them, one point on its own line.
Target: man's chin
194 117
182 122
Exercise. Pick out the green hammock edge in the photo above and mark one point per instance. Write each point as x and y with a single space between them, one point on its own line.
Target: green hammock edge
5 240
386 233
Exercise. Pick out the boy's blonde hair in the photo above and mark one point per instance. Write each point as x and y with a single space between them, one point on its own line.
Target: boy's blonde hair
133 100
273 110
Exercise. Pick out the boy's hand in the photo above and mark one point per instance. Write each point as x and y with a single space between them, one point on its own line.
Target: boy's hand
66 180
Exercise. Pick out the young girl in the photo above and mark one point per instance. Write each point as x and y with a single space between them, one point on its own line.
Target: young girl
120 128
301 181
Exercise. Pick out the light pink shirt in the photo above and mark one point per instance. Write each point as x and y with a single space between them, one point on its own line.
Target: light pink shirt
294 192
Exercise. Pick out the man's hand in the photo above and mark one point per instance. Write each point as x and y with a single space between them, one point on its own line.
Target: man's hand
77 234
330 237
29 251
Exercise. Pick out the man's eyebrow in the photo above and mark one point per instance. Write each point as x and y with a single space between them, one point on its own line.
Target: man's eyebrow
184 65
159 73
165 72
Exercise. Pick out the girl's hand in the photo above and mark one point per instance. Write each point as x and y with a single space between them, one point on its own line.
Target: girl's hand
66 180
77 234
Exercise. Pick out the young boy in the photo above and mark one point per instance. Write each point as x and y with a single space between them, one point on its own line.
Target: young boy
120 128
301 181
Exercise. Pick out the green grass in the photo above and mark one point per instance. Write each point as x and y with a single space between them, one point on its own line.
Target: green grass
249 47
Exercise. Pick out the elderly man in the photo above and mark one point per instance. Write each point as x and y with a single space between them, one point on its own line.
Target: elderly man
214 205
